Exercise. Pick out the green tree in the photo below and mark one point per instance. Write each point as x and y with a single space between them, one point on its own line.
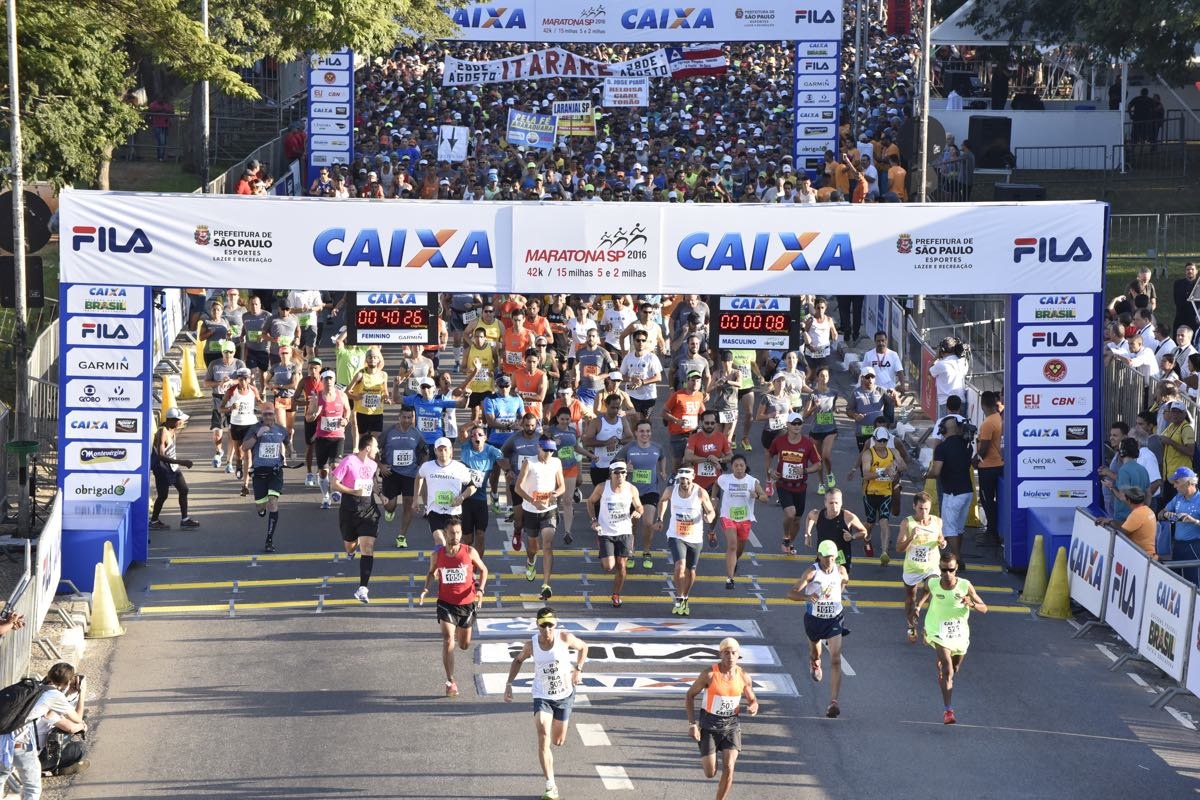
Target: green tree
80 59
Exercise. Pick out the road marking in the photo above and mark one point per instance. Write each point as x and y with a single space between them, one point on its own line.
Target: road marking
1074 624
614 778
846 669
582 700
638 683
1103 648
635 652
632 627
1182 719
754 542
1140 681
1129 740
592 734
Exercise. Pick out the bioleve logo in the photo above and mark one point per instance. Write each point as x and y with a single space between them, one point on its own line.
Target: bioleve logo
741 252
635 19
369 247
1046 249
107 239
479 17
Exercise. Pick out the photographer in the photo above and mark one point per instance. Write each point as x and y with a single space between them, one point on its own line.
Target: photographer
27 740
61 738
950 372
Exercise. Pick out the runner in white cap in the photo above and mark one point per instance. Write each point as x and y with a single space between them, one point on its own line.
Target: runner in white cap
330 414
613 506
821 588
539 485
442 485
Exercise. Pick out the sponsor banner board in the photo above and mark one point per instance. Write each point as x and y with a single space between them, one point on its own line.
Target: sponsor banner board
103 456
643 683
1038 463
330 110
704 653
1048 401
1055 339
111 362
104 299
1059 493
1069 431
1126 589
103 394
546 64
118 425
1048 309
1087 562
105 331
633 627
126 486
1051 370
1166 613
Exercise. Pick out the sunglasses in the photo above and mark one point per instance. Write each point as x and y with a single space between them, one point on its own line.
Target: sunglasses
949 569
790 424
618 472
546 625
489 311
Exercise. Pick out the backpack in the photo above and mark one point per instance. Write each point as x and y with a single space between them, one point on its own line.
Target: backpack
17 702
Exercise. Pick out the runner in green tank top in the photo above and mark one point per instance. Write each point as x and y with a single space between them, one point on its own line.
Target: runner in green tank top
919 540
946 630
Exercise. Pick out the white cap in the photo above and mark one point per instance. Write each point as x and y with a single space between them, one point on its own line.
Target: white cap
795 417
175 413
328 374
442 441
618 465
426 382
882 434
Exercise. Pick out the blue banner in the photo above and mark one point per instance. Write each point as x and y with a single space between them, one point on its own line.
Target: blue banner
531 130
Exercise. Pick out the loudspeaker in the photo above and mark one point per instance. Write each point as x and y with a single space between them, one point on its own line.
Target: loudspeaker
1019 191
34 295
990 141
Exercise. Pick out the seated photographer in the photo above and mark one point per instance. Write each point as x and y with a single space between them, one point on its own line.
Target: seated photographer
26 742
62 750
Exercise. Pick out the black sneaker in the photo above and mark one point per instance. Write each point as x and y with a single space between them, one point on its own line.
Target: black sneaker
159 525
729 584
269 547
568 539
189 523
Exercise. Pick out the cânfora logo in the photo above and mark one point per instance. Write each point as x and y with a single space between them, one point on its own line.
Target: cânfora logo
667 18
107 239
480 17
369 247
754 303
1046 249
735 252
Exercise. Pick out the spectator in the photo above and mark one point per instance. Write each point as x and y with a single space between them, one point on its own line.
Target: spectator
25 763
1139 524
62 750
1181 291
161 112
1184 511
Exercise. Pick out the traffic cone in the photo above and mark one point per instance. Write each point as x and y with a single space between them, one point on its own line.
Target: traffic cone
931 490
116 584
105 623
1057 604
1035 576
200 365
168 399
189 385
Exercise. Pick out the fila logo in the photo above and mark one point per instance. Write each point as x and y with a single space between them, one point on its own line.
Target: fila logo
1054 339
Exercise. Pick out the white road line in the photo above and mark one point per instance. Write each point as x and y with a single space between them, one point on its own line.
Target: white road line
582 699
1181 719
846 668
614 778
1074 624
754 542
1103 648
592 734
1140 681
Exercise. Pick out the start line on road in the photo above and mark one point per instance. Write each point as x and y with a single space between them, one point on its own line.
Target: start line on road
508 626
771 685
642 653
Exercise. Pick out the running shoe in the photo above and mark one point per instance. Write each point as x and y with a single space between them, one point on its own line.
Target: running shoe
730 584
831 481
833 710
310 480
325 502
516 542
189 523
616 601
815 671
647 561
159 525
336 497
245 491
237 470
884 559
451 689
685 609
912 634
578 495
229 469
389 516
546 592
821 487
401 541
495 500
362 595
869 549
216 461
530 571
551 793
269 547
948 718
568 539
677 608
262 511
746 445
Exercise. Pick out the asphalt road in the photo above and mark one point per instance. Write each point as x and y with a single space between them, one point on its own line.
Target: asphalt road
281 685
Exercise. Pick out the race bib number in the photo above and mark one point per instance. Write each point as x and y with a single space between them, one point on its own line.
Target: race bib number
825 609
794 472
706 469
685 527
617 511
642 476
454 574
566 453
739 513
402 458
514 357
689 421
269 450
919 553
725 417
372 400
818 352
521 462
471 316
304 320
254 336
545 498
414 384
364 485
776 423
331 424
866 430
553 677
591 370
724 706
443 497
477 478
427 424
953 629
824 417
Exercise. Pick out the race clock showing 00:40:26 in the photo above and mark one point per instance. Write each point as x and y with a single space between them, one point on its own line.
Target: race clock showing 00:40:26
392 318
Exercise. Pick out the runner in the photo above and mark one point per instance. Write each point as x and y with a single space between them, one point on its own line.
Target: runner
717 729
256 351
790 460
738 490
819 335
241 400
265 444
834 524
605 435
462 579
642 371
414 366
613 506
502 412
358 516
285 378
566 436
164 466
348 360
220 376
480 361
708 452
723 389
591 361
749 377
329 414
688 504
820 589
773 409
488 323
612 388
919 533
682 415
880 467
947 631
431 411
531 383
822 404
480 458
553 691
515 343
370 391
441 486
518 448
648 474
539 484
403 452
310 389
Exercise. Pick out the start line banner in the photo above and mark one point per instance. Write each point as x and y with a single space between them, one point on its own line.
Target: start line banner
552 63
216 240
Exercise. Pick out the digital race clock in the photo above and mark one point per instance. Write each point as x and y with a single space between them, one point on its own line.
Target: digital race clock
392 318
756 323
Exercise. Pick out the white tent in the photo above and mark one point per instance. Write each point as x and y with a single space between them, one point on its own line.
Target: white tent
957 31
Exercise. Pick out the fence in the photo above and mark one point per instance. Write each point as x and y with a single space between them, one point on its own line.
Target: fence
42 392
270 154
1155 238
17 645
1126 392
1102 164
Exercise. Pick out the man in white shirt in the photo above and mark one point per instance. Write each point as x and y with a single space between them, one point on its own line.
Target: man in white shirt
1139 357
889 372
641 370
52 700
871 175
1183 349
949 372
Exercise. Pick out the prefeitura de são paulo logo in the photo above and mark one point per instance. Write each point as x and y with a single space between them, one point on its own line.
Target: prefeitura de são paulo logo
202 235
904 244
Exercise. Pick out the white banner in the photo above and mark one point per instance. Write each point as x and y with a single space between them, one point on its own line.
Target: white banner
1037 463
84 393
1087 563
657 683
1054 494
653 21
1052 308
1073 432
1045 401
1166 615
642 653
83 424
103 486
111 362
632 627
105 331
102 299
103 456
1057 339
592 247
1192 682
1126 590
1055 370
552 63
49 564
452 143
626 92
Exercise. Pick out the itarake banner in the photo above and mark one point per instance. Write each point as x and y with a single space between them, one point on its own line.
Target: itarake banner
215 240
552 63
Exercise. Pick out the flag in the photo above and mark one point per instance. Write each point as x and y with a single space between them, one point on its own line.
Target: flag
691 61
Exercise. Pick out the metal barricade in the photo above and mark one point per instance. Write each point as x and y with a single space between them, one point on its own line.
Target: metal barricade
17 645
1181 236
1061 163
1149 161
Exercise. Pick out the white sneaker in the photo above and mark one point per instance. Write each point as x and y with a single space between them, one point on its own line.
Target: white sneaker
228 467
551 792
325 502
216 461
310 480
361 595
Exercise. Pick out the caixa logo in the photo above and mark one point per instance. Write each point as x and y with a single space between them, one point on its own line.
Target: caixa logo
372 248
481 17
1046 249
109 240
636 19
764 251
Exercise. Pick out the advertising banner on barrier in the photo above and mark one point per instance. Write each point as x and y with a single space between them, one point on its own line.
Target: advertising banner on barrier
1126 590
1166 617
1192 679
552 63
1087 563
531 130
653 21
626 92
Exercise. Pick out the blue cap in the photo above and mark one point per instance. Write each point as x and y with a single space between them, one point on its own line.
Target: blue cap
1183 472
547 444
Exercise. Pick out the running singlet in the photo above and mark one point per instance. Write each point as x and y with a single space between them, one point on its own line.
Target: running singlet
241 408
794 461
832 530
357 474
615 510
820 334
282 375
824 593
539 482
491 330
737 497
486 356
704 445
443 484
921 557
401 450
516 342
552 670
269 443
567 441
946 620
608 430
329 417
429 416
372 386
457 584
528 386
823 420
502 409
723 697
686 517
880 482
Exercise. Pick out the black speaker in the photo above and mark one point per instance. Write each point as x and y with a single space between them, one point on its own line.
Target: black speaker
34 295
1019 191
990 141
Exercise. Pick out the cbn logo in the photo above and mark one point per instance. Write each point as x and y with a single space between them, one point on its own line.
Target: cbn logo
1046 249
480 17
368 247
667 18
106 239
694 252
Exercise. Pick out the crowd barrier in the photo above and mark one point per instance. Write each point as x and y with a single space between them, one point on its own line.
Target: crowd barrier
1150 607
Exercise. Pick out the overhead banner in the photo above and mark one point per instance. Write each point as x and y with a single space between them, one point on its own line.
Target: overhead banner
552 63
531 130
626 92
654 21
